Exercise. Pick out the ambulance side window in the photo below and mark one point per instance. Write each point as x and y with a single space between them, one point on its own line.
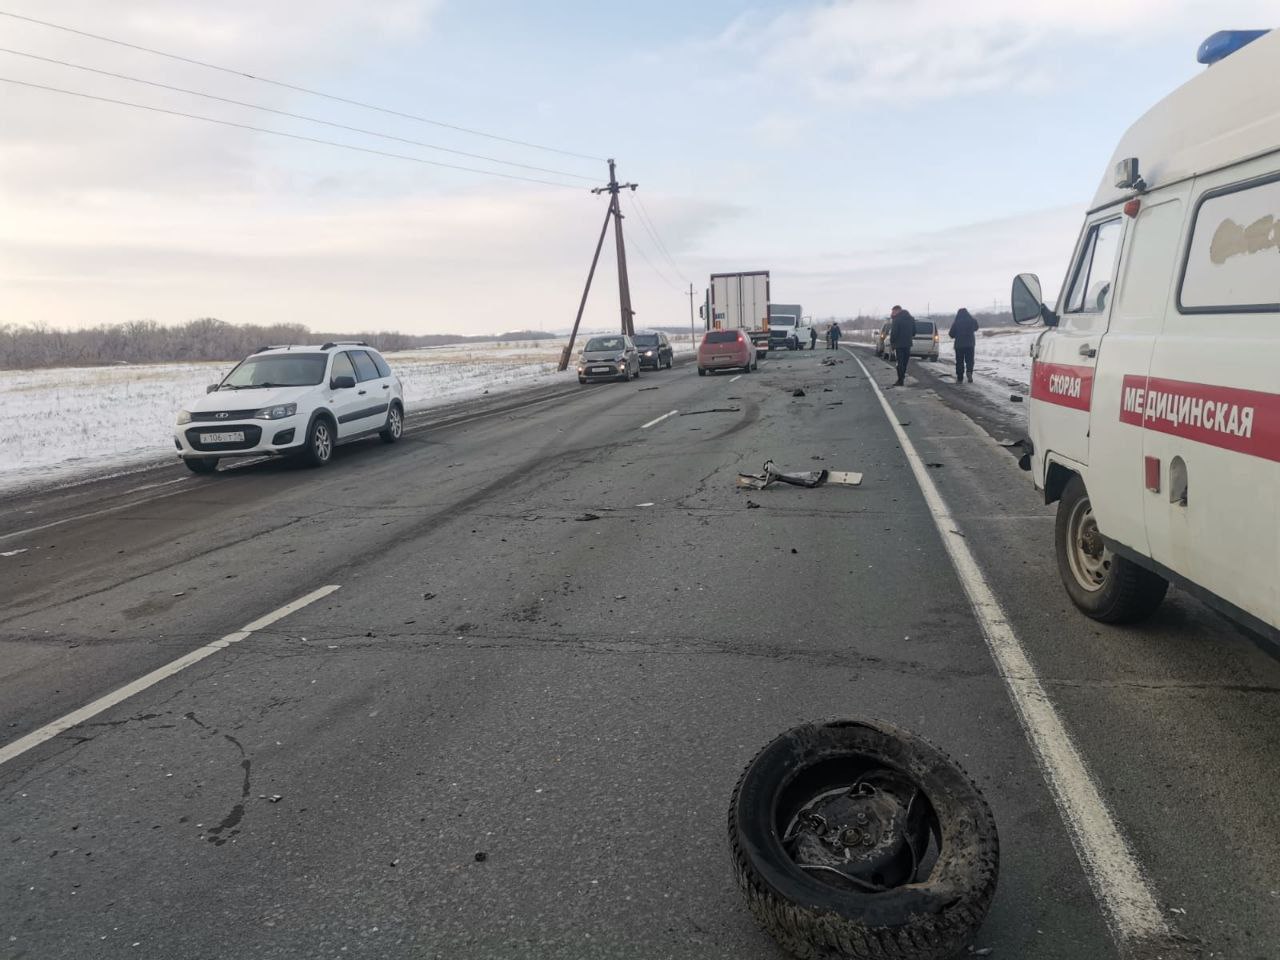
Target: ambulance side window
1231 264
1091 284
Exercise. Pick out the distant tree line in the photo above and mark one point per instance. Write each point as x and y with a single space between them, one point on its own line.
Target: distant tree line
146 341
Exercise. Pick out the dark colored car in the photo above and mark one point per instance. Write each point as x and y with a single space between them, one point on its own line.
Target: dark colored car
654 349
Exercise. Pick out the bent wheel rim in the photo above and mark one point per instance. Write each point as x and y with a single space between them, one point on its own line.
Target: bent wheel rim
1088 557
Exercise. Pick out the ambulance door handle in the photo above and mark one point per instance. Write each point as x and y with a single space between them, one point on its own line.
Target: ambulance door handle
1086 350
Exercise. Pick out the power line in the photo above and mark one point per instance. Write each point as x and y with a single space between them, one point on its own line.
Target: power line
294 87
660 274
657 237
281 133
294 116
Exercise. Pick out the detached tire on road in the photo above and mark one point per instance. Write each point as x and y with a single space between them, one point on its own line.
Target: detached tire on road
854 838
1104 586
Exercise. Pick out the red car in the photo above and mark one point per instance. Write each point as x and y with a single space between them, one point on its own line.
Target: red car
726 350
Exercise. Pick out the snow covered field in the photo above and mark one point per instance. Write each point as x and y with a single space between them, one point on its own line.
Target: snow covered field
58 424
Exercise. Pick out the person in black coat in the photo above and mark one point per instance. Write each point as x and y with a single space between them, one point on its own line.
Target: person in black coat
964 331
902 336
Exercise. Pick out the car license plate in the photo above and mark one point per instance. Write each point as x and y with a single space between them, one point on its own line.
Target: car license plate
601 369
236 437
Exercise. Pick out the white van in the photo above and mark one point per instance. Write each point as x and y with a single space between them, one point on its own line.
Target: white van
1155 396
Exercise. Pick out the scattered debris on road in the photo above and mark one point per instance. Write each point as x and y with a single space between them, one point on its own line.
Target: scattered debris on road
644 504
935 465
797 392
752 505
643 389
1015 397
588 516
692 413
805 478
481 856
428 596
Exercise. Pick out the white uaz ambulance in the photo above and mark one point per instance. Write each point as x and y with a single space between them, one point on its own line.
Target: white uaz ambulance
1155 395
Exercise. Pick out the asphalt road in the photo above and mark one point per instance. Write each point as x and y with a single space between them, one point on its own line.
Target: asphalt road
513 732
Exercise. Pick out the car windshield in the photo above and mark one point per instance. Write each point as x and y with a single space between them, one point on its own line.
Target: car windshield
924 326
782 321
646 340
603 344
722 336
277 370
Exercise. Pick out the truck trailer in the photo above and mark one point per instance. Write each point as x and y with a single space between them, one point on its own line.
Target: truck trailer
740 301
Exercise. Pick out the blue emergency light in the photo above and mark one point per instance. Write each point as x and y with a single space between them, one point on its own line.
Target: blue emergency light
1226 42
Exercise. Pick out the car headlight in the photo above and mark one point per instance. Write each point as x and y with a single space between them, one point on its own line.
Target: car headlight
278 412
648 353
183 417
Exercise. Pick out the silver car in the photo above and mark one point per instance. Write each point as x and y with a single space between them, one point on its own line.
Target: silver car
609 358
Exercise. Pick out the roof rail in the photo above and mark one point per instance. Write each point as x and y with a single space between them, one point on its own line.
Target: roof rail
343 343
274 346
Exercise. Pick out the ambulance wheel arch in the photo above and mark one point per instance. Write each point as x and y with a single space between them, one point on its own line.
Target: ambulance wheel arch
1102 584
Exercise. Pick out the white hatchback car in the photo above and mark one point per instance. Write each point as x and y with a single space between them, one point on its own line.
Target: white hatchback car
293 400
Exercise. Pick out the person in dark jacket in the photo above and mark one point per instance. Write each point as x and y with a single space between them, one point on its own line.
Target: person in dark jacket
964 331
834 334
902 335
813 338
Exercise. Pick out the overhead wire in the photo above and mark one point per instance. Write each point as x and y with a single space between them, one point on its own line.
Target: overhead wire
294 116
290 136
657 237
295 87
639 248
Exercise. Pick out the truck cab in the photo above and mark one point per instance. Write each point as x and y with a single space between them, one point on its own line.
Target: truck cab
1155 398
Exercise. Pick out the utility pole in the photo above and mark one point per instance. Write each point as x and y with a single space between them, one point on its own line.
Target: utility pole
693 332
614 213
624 285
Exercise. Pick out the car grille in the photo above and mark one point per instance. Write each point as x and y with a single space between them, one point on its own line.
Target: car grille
252 434
219 415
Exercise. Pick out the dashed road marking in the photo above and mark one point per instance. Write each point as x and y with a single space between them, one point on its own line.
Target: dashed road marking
658 420
76 717
1109 863
738 377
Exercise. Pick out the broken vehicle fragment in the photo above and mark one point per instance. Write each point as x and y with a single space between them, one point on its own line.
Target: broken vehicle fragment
803 478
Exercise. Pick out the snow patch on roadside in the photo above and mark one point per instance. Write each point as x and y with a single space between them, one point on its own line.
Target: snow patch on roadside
60 424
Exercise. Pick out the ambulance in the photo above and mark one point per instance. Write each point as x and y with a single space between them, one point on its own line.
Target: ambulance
1155 394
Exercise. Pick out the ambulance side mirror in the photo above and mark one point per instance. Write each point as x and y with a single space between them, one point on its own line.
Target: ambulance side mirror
1027 302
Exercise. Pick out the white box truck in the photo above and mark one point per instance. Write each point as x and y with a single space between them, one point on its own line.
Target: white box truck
1155 397
788 327
740 301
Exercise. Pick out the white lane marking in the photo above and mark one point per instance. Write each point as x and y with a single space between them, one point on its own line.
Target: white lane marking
658 420
738 377
162 483
94 513
14 553
1109 863
76 717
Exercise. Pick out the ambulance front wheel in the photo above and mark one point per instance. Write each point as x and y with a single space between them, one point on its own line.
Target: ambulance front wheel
1103 585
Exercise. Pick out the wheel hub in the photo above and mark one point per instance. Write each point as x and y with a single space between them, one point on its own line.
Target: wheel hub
866 836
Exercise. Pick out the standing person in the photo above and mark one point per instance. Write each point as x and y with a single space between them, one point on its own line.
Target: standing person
964 329
813 338
835 336
902 335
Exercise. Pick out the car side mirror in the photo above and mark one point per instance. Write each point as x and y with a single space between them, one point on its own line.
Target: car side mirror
211 387
1027 301
342 383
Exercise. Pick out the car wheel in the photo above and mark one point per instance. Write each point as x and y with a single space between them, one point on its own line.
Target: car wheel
582 380
395 425
201 464
1103 585
858 839
318 449
702 372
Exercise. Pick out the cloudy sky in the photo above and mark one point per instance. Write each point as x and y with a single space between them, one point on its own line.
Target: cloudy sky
866 152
